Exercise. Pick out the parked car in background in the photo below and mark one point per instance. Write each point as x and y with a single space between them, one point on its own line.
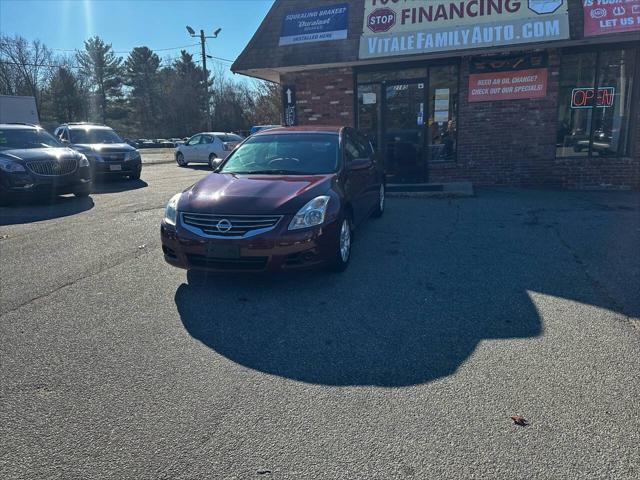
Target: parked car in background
258 128
284 199
32 161
177 141
145 143
108 154
207 147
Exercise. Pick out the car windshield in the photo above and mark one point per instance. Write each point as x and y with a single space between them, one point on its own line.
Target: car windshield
17 138
93 135
291 154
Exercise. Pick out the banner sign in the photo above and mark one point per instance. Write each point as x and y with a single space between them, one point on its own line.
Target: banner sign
487 87
315 25
610 16
585 97
508 63
407 27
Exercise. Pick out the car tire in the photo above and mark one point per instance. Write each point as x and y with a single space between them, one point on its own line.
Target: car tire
382 198
82 192
212 157
180 160
342 254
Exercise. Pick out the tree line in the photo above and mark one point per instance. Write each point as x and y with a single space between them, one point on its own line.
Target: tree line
137 95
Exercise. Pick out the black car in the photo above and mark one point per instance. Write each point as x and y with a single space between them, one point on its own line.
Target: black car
108 154
32 161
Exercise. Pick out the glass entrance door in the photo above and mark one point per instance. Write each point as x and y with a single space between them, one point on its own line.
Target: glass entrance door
405 114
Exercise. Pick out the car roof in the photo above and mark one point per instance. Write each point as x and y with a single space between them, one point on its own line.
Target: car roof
215 133
84 126
18 125
302 129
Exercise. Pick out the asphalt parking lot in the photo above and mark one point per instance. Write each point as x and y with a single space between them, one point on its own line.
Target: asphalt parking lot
454 315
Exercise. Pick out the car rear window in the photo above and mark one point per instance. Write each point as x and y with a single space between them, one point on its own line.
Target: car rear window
230 137
285 153
17 138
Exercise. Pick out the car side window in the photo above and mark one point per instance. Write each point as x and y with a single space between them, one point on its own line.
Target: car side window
205 139
194 140
350 149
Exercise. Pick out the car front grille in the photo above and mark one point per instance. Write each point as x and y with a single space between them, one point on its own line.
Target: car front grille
53 168
241 264
113 157
229 226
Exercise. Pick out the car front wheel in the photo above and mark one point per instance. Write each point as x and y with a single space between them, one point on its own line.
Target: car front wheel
342 254
212 161
180 160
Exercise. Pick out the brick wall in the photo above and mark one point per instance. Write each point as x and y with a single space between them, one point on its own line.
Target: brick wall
324 97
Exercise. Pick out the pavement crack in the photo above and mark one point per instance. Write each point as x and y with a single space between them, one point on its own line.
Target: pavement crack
595 284
131 256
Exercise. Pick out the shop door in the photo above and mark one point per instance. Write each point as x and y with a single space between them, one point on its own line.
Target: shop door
404 114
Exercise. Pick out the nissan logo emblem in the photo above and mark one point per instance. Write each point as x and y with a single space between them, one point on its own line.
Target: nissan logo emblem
224 226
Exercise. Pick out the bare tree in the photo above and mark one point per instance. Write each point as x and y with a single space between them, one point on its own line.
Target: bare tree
26 67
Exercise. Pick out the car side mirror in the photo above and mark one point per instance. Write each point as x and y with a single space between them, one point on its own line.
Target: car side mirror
360 164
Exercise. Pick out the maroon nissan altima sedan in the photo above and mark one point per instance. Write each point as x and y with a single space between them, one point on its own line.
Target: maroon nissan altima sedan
286 198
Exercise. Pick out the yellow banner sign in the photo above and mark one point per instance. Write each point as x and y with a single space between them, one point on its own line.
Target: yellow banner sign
405 27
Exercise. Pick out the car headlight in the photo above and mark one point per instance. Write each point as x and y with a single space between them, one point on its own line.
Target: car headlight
311 214
10 166
134 155
171 211
84 161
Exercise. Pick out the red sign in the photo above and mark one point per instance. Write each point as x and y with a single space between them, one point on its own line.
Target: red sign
514 85
584 97
381 20
610 16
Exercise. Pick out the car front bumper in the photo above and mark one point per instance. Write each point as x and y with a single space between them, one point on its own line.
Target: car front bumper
27 182
279 249
124 167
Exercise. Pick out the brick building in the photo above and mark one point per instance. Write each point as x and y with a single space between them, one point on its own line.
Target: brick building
497 92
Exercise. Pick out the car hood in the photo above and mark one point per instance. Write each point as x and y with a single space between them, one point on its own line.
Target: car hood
23 155
229 194
103 147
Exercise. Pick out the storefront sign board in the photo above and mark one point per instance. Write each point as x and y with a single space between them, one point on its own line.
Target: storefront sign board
315 24
408 27
610 16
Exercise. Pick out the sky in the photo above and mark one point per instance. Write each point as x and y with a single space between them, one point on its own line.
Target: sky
63 25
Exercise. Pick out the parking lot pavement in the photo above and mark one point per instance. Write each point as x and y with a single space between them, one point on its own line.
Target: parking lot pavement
157 155
453 316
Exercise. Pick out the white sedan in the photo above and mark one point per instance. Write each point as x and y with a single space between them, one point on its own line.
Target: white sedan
207 147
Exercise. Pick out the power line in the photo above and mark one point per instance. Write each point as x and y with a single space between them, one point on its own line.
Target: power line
122 52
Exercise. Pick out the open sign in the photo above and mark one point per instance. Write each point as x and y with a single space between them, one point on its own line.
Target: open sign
586 97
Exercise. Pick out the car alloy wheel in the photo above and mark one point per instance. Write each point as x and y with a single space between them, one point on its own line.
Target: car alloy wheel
345 241
212 164
180 160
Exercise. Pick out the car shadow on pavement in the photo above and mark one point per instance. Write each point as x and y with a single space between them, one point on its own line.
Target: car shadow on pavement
36 209
117 186
389 320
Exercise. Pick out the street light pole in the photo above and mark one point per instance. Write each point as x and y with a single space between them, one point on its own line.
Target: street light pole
207 99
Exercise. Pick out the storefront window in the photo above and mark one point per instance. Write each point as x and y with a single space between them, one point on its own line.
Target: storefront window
594 103
369 112
443 106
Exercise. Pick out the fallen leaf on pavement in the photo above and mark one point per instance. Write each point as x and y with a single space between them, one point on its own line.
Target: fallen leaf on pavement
518 420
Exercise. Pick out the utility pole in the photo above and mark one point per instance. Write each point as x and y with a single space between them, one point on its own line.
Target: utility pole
207 98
